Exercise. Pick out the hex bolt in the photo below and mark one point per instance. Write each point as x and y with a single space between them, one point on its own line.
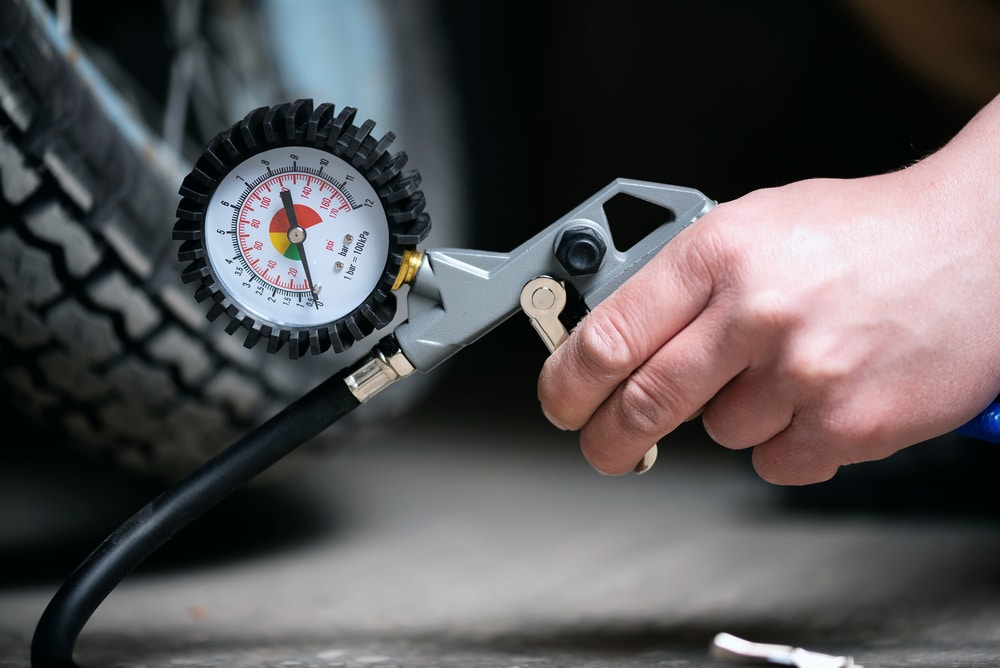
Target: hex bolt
581 250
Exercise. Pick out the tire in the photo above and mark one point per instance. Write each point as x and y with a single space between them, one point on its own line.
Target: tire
100 341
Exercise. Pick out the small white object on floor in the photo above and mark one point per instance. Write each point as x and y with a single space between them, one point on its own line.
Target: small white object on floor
728 647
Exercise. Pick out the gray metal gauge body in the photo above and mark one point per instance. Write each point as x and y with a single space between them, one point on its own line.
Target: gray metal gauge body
459 295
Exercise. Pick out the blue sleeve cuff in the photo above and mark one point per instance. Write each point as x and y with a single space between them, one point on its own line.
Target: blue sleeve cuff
985 426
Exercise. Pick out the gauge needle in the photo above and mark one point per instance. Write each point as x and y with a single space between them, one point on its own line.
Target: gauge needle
297 235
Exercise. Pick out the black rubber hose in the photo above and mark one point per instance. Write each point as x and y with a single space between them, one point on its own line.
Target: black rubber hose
175 508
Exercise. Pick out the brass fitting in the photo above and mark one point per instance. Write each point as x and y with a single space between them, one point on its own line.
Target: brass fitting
408 268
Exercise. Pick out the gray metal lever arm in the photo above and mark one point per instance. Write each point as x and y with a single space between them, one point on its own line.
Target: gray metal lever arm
458 295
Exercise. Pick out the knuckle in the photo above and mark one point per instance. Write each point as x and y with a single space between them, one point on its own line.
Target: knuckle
647 409
769 310
818 363
724 240
603 349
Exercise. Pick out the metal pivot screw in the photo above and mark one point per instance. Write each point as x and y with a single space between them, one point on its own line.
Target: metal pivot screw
543 299
581 250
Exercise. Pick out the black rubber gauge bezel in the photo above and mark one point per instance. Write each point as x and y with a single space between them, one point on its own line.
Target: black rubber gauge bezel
293 124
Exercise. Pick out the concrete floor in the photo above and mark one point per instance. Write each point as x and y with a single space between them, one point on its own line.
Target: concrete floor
441 543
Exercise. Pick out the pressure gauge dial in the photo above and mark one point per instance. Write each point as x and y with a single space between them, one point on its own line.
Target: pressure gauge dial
295 223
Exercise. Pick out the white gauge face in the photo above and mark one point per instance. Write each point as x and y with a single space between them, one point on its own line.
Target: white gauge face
296 236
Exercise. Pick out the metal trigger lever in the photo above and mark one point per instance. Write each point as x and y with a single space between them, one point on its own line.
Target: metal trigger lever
543 300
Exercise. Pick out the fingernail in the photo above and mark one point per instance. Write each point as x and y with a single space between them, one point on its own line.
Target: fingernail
647 461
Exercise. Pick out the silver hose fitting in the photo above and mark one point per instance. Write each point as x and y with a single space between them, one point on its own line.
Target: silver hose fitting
376 372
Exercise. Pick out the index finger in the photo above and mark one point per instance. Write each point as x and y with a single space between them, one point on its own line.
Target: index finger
624 330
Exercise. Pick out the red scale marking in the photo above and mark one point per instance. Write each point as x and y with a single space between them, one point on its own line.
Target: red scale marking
320 185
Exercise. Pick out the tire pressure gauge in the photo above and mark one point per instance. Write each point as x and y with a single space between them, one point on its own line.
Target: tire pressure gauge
297 224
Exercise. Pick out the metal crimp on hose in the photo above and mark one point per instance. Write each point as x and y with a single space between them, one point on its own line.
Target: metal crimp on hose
378 371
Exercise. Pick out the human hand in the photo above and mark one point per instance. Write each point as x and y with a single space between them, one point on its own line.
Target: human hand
822 323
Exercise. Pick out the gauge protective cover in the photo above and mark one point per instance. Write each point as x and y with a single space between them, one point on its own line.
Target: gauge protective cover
244 262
